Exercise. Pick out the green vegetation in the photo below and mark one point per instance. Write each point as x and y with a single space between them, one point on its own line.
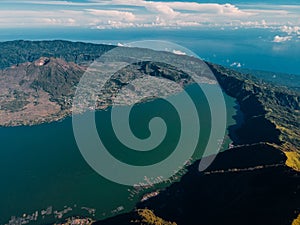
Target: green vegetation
293 160
279 79
16 52
149 218
272 113
296 221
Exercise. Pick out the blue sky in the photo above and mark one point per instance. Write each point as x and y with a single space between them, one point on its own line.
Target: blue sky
283 16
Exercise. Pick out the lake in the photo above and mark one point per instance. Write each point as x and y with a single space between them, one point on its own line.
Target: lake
41 166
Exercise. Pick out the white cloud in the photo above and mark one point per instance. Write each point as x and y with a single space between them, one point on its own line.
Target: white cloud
105 14
121 44
120 15
161 9
291 30
63 3
178 52
217 9
279 39
236 64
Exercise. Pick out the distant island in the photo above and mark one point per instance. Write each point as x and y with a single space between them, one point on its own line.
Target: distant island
255 182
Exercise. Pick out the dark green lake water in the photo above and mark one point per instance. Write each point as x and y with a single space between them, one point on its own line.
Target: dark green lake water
41 166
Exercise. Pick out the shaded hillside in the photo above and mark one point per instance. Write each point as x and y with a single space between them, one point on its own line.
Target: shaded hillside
245 185
272 114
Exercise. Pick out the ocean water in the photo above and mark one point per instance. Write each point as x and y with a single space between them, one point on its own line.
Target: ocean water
251 48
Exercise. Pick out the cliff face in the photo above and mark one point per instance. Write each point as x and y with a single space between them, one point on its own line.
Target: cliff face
271 112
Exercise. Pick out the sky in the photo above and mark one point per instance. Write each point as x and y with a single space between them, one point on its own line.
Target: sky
283 16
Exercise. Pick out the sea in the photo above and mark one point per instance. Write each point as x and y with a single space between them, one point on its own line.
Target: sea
251 48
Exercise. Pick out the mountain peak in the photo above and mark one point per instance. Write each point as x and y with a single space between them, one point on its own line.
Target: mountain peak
42 61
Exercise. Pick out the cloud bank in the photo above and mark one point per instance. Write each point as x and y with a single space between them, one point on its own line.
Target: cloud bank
279 39
109 14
